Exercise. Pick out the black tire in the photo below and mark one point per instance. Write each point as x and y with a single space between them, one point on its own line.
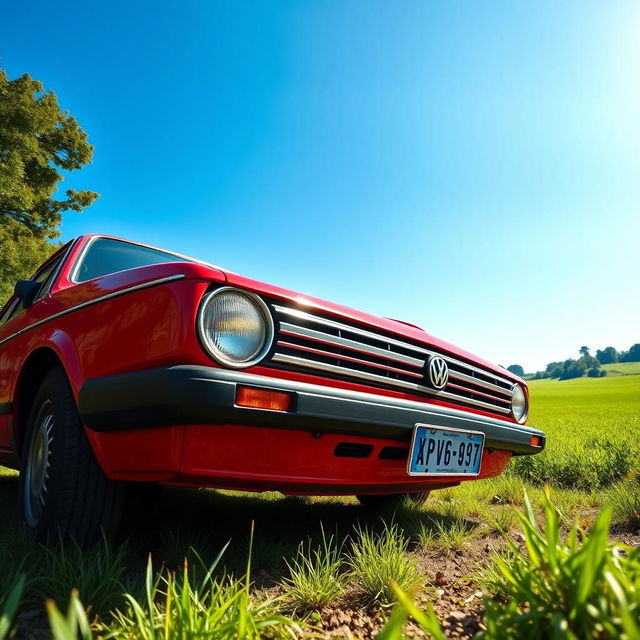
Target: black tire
391 500
62 489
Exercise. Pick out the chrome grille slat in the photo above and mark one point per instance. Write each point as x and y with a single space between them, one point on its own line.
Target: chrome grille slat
323 366
332 368
303 315
480 383
366 363
311 341
305 332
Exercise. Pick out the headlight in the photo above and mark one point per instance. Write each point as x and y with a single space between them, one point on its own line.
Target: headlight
235 327
519 406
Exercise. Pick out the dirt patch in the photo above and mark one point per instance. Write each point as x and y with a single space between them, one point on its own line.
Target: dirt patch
448 588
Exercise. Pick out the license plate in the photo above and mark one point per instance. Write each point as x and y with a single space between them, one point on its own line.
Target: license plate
436 451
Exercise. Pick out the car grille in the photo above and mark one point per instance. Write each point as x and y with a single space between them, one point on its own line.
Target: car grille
311 342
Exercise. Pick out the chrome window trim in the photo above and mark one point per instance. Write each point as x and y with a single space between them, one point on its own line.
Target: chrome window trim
88 303
73 272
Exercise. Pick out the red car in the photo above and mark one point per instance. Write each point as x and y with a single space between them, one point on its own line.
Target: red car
121 363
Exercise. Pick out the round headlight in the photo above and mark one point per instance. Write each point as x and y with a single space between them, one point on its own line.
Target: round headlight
519 403
235 327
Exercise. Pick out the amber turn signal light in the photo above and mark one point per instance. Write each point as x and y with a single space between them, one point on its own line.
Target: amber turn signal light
536 441
263 399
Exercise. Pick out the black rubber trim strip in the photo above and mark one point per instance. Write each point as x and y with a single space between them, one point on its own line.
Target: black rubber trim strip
206 395
6 407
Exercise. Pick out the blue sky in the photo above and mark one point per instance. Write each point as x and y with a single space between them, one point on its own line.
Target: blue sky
472 167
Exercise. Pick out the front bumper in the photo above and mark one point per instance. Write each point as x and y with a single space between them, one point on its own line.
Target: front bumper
196 395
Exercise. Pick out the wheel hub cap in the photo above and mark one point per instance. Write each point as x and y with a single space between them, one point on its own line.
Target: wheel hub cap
38 465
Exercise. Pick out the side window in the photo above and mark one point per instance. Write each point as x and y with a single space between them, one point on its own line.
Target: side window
45 276
106 256
7 312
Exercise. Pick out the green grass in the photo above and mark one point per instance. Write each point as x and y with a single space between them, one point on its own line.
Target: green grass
580 586
447 536
593 431
9 605
625 501
315 575
98 574
622 368
378 559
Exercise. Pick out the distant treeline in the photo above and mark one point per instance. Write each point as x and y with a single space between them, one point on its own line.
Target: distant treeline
586 363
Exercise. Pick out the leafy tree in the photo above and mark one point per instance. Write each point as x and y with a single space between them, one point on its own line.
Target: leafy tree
594 372
38 140
608 355
516 369
587 360
573 369
551 366
633 355
557 371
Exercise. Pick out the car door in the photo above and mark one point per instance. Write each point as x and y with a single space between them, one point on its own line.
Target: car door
14 319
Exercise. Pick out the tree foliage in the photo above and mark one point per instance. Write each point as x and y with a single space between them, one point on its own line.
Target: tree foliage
633 355
608 355
21 253
516 369
588 364
38 141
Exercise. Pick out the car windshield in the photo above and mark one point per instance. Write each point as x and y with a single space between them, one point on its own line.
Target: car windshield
105 255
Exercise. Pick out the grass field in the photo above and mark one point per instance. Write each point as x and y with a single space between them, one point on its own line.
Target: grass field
347 556
622 368
593 429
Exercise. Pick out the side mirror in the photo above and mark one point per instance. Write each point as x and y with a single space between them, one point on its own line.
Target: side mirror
27 290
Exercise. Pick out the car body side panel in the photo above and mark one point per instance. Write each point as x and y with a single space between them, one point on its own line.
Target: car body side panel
142 323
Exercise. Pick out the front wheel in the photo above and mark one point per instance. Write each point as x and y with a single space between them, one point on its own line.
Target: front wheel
62 489
392 500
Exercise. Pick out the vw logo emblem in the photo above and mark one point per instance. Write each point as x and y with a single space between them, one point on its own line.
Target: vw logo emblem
438 372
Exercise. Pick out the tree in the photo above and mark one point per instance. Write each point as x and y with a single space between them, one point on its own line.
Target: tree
37 141
608 355
553 365
586 360
573 369
633 355
557 371
516 369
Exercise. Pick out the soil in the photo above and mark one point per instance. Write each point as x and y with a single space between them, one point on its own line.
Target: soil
449 589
